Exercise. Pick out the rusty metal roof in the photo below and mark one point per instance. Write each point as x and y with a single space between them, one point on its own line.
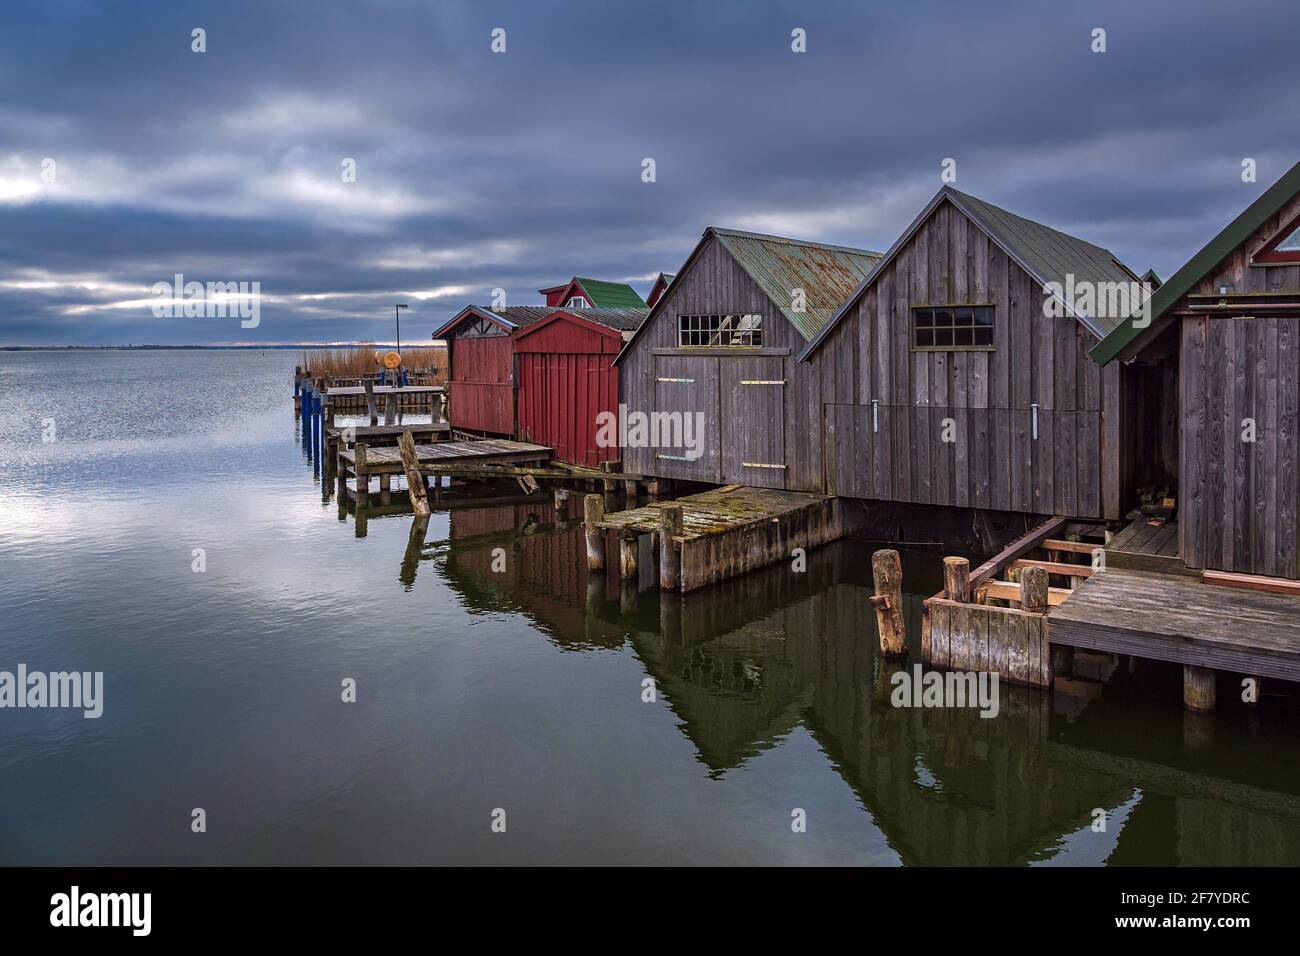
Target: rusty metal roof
827 274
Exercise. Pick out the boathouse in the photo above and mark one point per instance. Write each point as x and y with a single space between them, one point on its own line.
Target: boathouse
722 341
661 283
567 379
481 373
580 293
1216 365
957 373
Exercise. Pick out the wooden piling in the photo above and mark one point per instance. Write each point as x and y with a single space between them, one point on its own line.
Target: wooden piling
390 408
1198 689
627 555
956 579
363 477
371 410
414 480
593 513
1033 590
670 558
887 570
561 498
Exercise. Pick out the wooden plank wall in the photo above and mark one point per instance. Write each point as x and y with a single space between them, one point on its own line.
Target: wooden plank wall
764 421
1239 499
975 637
996 463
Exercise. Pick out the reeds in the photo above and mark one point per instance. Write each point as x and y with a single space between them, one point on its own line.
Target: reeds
355 362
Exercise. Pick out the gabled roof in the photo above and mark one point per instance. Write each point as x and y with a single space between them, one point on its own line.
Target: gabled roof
1214 252
779 266
1047 254
610 295
517 317
827 274
617 322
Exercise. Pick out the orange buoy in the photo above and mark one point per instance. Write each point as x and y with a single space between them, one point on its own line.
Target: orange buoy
392 360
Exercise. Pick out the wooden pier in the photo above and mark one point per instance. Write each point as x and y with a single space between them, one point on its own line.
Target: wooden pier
441 458
1147 546
715 535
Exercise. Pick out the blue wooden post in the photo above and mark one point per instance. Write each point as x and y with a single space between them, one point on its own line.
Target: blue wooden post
403 378
306 413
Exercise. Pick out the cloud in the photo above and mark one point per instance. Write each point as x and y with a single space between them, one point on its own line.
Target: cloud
477 170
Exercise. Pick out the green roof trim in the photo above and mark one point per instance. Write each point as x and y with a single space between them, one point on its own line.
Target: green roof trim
611 295
1215 251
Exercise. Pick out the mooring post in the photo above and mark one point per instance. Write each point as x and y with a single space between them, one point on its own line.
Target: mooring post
370 402
630 487
363 476
887 570
390 408
1198 689
414 480
627 553
670 558
561 498
1033 590
956 579
593 513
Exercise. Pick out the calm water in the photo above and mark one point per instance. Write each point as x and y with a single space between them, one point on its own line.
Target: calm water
520 690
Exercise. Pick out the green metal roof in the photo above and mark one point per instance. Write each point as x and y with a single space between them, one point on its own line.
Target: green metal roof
611 295
1215 251
826 274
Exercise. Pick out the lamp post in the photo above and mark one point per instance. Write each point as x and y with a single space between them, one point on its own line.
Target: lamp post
397 310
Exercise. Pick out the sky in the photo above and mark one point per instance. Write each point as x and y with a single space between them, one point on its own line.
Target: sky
126 157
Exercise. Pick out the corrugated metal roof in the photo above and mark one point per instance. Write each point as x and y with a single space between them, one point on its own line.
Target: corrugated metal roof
611 295
521 316
1050 255
826 274
625 320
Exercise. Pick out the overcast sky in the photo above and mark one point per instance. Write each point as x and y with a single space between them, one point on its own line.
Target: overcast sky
477 170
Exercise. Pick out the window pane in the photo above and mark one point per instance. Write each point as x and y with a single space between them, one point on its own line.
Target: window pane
924 338
943 337
983 336
984 316
963 337
942 317
962 316
924 318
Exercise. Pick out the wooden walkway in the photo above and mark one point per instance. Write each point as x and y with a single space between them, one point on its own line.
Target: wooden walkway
378 435
387 460
1174 618
1146 547
728 531
381 390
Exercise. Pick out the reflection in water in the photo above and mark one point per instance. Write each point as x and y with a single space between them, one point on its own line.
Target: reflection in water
493 671
744 664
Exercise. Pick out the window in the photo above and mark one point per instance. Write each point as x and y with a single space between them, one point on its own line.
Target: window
948 328
577 302
1284 247
733 330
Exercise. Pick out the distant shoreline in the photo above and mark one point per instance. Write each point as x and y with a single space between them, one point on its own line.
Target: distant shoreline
172 348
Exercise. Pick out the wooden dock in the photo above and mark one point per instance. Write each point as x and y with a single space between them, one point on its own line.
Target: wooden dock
436 458
724 533
1143 546
1174 618
376 436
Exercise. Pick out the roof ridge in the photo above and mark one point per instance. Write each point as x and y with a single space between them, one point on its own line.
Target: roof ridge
767 237
1033 222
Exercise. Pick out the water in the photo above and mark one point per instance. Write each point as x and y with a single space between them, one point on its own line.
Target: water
520 690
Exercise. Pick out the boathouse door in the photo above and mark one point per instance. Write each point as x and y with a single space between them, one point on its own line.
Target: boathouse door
684 386
753 421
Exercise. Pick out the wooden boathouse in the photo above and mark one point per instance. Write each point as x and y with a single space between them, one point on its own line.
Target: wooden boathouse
723 340
567 379
955 374
481 373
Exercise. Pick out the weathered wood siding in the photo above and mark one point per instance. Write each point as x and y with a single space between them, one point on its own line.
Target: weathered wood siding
481 391
983 399
1238 499
746 424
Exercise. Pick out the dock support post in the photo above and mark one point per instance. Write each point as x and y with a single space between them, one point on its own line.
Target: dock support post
887 570
630 487
414 480
1198 689
593 513
670 558
1033 590
561 498
956 579
370 402
363 476
627 552
390 408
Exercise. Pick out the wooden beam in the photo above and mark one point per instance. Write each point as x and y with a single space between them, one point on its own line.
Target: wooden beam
1251 582
1075 547
1027 541
1054 567
414 480
1010 591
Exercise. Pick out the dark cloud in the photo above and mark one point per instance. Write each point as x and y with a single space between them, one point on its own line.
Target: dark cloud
478 170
